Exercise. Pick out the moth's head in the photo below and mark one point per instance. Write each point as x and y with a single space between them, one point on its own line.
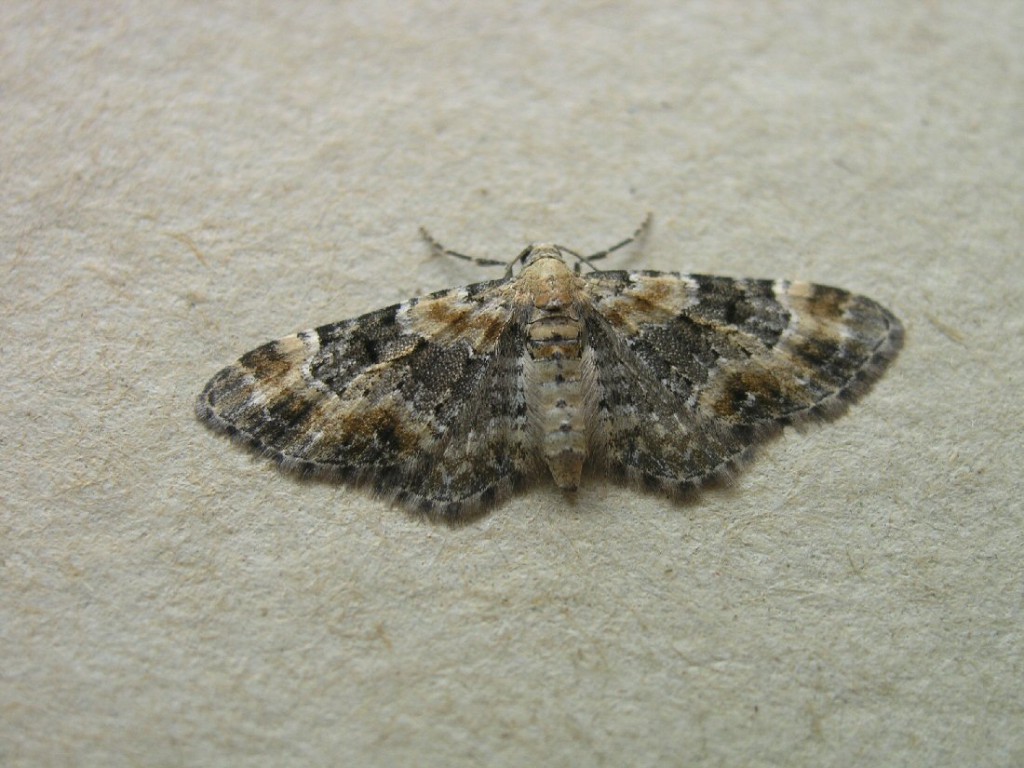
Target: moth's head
537 251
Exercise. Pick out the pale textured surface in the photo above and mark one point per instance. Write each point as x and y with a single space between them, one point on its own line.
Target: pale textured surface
183 184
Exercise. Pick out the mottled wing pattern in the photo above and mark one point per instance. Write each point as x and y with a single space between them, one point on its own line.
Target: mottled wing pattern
447 402
422 401
696 370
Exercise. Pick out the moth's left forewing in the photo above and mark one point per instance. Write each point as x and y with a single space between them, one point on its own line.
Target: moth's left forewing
417 400
475 315
257 398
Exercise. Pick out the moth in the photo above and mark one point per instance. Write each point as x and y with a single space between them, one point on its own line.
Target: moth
448 403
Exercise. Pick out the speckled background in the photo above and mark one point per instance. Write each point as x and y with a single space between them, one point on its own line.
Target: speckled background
182 182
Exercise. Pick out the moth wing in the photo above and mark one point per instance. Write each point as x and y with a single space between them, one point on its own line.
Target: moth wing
696 370
421 401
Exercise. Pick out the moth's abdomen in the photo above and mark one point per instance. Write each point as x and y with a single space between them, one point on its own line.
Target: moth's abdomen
559 391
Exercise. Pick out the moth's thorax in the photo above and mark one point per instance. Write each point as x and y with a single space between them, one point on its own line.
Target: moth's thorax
546 281
559 374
